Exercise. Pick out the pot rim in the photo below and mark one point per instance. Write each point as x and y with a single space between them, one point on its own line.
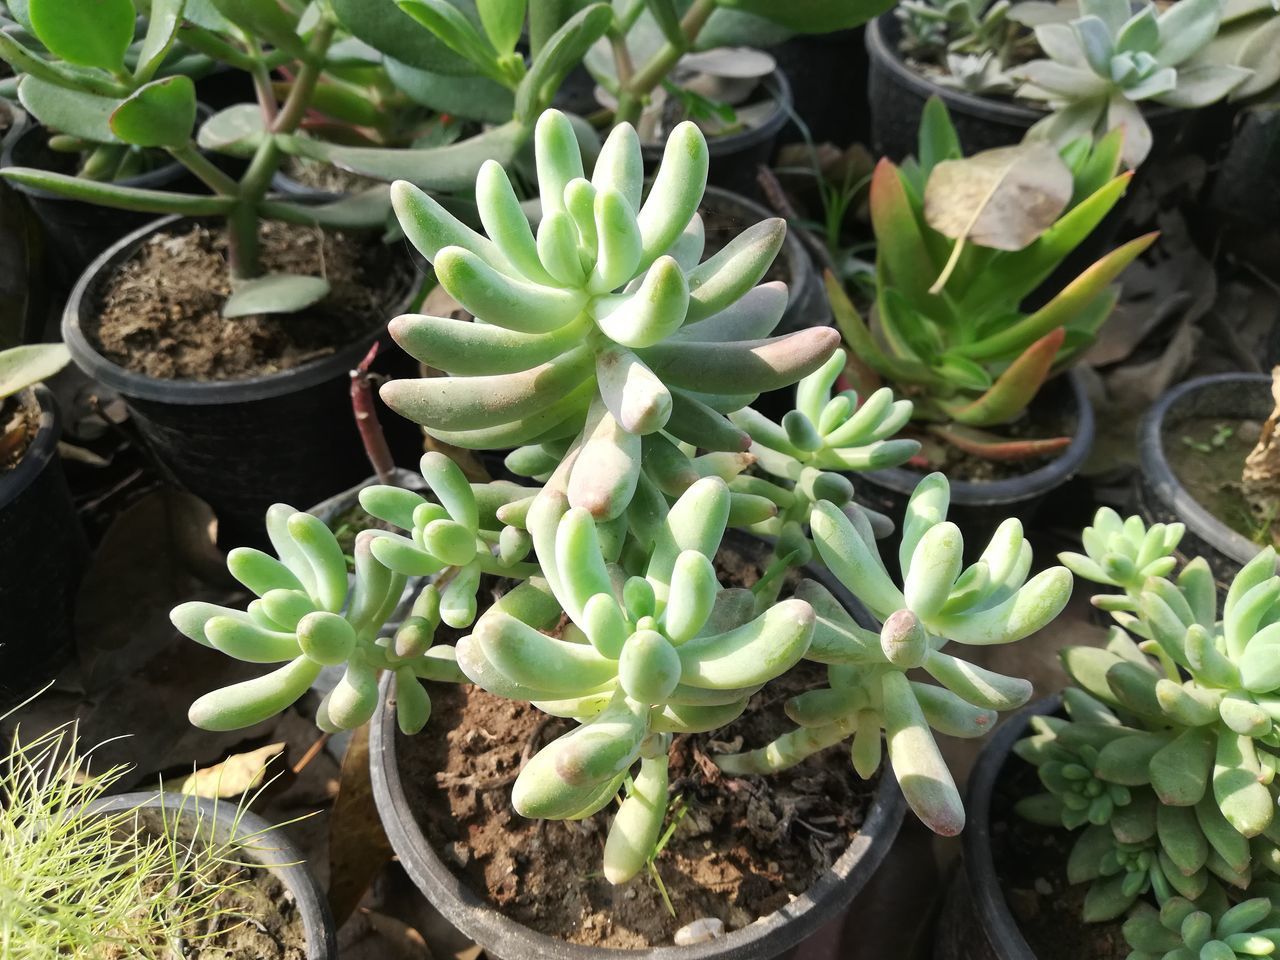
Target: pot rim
39 453
1011 490
768 936
290 867
1159 477
995 918
718 146
193 392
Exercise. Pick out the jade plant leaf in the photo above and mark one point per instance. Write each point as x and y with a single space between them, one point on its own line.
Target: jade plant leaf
477 98
267 21
237 130
382 25
73 112
163 21
20 367
502 21
562 51
274 293
159 114
94 34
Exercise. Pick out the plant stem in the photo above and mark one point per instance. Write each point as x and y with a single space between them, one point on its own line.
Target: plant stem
655 71
203 167
371 435
299 99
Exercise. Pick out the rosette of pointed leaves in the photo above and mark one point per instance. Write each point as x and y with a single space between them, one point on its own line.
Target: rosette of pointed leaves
663 651
1210 700
307 616
1101 66
603 325
1124 554
940 601
459 531
1182 930
952 270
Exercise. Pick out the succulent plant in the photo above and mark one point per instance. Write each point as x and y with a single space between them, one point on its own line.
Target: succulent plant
604 326
1124 554
1183 930
977 73
1103 65
939 601
954 265
1247 38
23 366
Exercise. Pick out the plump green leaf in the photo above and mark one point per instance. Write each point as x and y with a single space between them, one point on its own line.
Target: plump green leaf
560 54
159 114
267 21
451 26
274 293
474 97
22 366
382 25
125 198
366 210
502 21
90 33
237 130
73 112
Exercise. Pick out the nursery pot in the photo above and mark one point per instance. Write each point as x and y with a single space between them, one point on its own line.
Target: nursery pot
42 555
244 444
269 848
735 157
76 231
1162 497
827 73
976 923
898 94
502 937
979 507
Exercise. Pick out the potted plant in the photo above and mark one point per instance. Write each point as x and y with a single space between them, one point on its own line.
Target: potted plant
1005 69
605 593
1198 466
156 875
44 551
955 267
1158 769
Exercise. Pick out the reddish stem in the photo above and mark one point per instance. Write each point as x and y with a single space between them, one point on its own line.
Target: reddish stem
371 435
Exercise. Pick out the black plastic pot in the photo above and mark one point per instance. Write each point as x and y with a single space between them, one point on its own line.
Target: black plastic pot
240 445
42 556
501 937
828 77
76 231
898 94
976 923
978 508
1162 497
266 845
735 157
23 293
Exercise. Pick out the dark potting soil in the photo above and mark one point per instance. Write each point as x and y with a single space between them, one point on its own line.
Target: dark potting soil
160 313
1207 455
743 847
19 423
1031 864
258 920
325 177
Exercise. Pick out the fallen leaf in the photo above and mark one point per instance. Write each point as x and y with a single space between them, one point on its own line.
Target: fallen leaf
235 776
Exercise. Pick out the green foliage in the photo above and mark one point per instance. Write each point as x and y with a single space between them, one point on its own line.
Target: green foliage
959 248
21 367
975 41
1182 930
1102 65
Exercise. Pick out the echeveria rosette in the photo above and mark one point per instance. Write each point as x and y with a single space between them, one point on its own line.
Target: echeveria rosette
1208 929
307 616
1210 701
1102 66
1123 553
940 601
644 655
602 327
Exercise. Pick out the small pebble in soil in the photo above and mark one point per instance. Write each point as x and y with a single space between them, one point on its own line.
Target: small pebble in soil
699 931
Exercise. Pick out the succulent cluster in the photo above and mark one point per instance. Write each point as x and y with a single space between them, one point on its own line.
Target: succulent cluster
953 268
974 42
615 366
1168 753
1100 68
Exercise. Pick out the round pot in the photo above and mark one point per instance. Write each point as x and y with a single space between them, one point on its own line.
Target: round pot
827 73
76 231
976 923
24 296
898 95
978 508
270 849
500 936
735 156
42 558
1162 497
244 444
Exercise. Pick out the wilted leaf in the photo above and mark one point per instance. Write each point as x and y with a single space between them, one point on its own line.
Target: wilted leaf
20 367
274 293
239 774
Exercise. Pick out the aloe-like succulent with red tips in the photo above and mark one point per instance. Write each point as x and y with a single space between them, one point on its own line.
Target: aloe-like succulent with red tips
961 244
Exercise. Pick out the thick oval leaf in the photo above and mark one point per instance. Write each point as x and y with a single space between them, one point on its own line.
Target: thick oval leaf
163 21
502 21
77 114
237 130
560 54
477 98
267 21
159 114
90 33
20 367
274 293
382 25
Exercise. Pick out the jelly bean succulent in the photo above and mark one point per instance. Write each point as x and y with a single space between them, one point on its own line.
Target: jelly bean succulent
1167 755
614 366
954 263
1183 930
1101 67
938 600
